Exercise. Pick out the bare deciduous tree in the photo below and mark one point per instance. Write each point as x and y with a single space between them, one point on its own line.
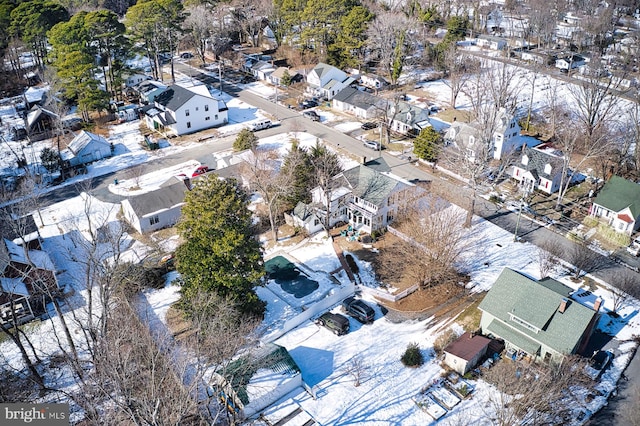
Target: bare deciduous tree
583 258
357 368
547 256
430 252
625 285
459 69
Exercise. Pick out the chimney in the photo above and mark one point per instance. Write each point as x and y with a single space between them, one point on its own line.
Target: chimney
597 304
563 306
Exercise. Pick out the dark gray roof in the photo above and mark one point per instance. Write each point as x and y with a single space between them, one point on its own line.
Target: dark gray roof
360 99
160 199
538 159
410 114
174 97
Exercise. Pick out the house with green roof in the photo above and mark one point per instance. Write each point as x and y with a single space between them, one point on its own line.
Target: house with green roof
618 203
537 317
364 197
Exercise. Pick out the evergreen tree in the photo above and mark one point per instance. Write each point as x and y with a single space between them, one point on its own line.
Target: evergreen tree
297 165
348 50
220 253
428 144
286 78
50 159
246 139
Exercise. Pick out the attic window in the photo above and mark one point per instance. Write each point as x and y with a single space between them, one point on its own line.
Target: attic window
547 168
525 160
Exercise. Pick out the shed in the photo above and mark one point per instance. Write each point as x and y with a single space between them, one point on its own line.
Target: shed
85 148
464 353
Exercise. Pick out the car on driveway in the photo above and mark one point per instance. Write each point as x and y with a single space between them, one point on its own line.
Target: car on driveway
338 324
358 310
309 103
312 115
369 125
598 364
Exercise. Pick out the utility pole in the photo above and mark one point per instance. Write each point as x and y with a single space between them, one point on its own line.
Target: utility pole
515 234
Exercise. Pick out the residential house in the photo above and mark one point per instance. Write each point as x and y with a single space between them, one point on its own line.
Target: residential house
373 81
40 122
537 317
570 62
253 382
539 168
135 79
27 281
491 42
618 202
305 217
179 110
361 104
21 229
504 140
276 77
156 209
261 70
464 353
149 90
365 198
408 119
327 81
85 148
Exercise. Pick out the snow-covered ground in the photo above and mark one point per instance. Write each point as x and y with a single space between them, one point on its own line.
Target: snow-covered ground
385 394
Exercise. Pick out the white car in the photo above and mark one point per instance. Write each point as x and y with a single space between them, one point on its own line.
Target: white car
634 247
372 145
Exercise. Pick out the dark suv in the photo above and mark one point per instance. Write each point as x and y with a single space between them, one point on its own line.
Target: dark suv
337 323
358 309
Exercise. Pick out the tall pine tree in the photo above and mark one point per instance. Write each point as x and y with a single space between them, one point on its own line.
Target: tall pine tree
220 252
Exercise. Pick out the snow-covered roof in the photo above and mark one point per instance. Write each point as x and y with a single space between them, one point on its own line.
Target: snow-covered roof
13 286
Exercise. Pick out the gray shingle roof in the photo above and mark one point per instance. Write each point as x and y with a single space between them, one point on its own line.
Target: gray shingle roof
174 97
536 303
537 161
370 185
83 139
163 198
360 99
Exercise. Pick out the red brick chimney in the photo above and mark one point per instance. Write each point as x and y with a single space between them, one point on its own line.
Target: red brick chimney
597 304
563 306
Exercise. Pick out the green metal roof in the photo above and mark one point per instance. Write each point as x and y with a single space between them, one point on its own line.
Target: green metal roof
514 337
618 194
535 303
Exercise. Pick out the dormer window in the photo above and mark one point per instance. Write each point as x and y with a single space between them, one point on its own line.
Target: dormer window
525 160
547 168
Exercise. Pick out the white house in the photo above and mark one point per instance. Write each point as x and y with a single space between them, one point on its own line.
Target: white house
539 168
618 203
155 210
134 79
262 70
367 199
85 148
374 81
148 90
491 42
327 80
408 119
361 104
179 110
504 140
570 62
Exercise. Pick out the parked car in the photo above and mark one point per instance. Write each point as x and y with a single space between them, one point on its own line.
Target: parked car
372 145
598 363
259 125
634 247
200 170
309 103
312 115
369 125
358 310
247 79
338 324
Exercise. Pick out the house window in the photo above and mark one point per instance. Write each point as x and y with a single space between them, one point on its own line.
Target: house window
216 116
206 107
207 118
186 112
188 124
512 125
547 168
153 220
472 140
316 222
196 108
